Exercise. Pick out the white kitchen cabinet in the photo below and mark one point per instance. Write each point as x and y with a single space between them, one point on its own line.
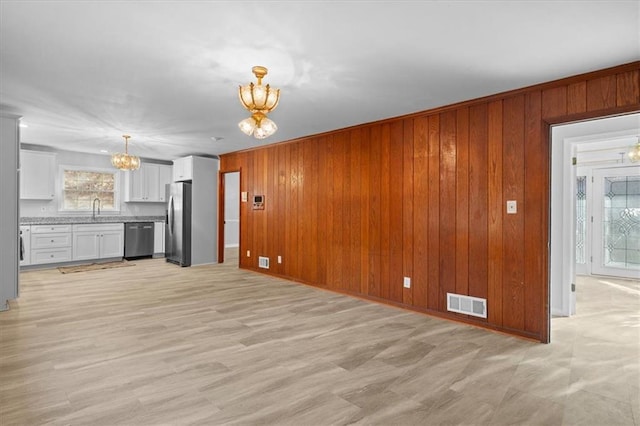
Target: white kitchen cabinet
47 229
183 169
50 244
135 184
112 243
98 241
37 175
53 255
158 238
86 245
166 176
147 184
25 245
53 240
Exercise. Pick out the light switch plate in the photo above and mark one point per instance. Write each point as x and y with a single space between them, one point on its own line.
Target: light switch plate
407 282
244 196
512 207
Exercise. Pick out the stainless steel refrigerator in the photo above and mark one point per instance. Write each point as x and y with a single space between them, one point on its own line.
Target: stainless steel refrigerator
178 224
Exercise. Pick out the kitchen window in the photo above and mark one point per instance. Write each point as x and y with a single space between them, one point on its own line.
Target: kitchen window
82 185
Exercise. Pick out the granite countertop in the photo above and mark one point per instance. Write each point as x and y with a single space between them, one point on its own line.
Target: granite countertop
87 219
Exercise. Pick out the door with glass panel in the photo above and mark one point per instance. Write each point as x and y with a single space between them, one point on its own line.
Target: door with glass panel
582 218
616 222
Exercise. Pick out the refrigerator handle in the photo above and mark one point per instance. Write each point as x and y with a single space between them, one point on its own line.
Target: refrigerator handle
170 215
21 247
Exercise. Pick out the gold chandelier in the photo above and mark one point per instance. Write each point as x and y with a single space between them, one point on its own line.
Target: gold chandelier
124 161
259 100
634 154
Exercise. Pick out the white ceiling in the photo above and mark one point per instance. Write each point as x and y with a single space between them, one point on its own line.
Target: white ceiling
167 72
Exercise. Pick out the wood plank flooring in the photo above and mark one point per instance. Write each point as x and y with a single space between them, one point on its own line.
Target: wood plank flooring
159 344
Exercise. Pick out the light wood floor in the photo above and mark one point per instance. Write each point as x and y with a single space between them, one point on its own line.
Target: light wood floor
159 344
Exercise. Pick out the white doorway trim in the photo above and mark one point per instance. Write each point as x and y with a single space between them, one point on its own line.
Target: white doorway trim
564 139
232 209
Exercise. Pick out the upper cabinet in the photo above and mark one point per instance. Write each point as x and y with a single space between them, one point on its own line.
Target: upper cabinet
165 179
183 169
147 184
37 175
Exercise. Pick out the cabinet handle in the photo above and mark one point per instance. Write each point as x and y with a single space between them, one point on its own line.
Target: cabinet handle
51 255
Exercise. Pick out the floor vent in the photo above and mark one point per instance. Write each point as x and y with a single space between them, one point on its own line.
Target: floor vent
467 305
263 262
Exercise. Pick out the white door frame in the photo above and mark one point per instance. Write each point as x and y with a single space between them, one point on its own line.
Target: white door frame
564 139
232 197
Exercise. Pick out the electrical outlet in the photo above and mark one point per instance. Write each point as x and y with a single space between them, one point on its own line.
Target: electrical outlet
279 259
248 253
407 282
512 207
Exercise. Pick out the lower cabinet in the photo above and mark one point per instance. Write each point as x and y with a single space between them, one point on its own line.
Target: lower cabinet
25 245
158 238
65 243
98 241
50 255
51 243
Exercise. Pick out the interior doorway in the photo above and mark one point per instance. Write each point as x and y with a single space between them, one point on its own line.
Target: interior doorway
580 151
230 210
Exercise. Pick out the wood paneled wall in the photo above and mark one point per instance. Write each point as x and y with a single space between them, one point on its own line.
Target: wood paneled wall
423 196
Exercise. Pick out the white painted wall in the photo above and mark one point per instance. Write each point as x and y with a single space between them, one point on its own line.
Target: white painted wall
42 208
204 211
232 209
8 208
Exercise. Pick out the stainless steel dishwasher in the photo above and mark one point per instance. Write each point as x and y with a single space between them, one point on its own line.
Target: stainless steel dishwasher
138 239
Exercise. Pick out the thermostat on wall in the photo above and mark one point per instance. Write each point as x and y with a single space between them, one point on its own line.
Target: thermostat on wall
258 202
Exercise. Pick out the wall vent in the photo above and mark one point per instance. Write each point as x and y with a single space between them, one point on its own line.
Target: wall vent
467 305
263 262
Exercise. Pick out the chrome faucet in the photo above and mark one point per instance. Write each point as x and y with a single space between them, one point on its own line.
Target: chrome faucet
94 207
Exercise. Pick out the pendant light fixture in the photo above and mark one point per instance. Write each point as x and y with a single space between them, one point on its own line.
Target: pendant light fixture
124 161
634 154
259 100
